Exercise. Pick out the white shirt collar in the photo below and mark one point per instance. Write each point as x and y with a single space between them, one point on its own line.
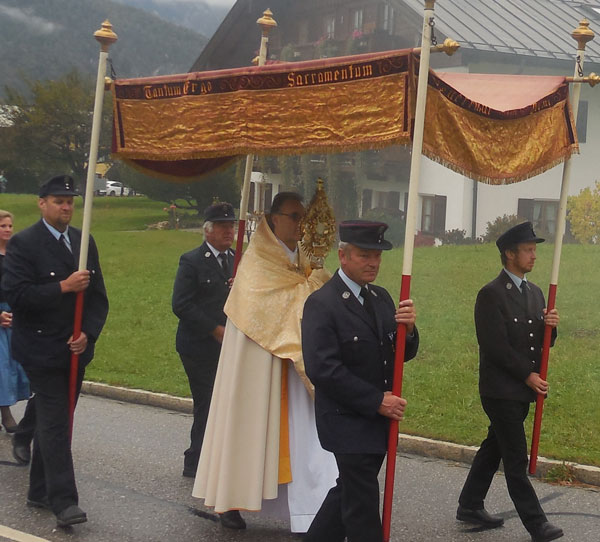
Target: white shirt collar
354 287
517 280
57 233
291 254
214 250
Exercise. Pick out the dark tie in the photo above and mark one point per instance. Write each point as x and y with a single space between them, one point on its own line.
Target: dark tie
64 243
524 291
368 303
224 264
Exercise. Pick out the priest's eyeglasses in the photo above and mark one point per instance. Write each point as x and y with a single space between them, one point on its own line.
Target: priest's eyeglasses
296 217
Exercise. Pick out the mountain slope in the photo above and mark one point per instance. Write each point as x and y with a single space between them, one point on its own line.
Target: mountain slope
198 15
42 39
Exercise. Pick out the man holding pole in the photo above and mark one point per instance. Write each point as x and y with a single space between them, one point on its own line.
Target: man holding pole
41 281
201 288
510 316
348 338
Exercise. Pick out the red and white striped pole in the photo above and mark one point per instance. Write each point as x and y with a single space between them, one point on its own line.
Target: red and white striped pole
106 37
582 35
409 242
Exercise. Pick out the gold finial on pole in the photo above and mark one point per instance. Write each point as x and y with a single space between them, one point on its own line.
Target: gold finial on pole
449 46
266 22
583 33
593 79
105 36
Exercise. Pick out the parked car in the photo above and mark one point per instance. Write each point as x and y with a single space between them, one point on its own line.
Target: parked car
115 188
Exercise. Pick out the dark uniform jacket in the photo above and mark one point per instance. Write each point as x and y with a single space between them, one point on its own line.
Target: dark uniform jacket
43 316
510 335
350 362
199 294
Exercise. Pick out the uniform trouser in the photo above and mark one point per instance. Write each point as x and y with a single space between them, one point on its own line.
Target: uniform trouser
201 372
506 440
351 508
51 474
25 430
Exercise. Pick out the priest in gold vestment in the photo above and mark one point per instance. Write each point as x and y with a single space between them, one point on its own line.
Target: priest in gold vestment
261 450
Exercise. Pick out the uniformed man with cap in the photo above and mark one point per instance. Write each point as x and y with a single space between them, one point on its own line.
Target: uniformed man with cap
348 339
510 316
201 288
40 281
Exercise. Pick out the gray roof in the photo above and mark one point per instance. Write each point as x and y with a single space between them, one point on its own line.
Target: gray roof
540 28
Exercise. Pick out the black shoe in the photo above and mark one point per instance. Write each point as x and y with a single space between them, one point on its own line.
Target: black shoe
39 503
21 453
232 520
189 472
71 516
546 532
478 517
10 428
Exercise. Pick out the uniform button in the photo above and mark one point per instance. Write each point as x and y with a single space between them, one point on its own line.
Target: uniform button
93 271
530 321
385 361
516 320
531 334
532 348
385 380
52 273
381 343
532 361
355 339
39 330
208 282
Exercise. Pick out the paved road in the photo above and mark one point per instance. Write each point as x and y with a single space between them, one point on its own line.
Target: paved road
128 461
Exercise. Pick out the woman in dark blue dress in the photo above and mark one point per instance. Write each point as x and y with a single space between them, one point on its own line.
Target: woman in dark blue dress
14 385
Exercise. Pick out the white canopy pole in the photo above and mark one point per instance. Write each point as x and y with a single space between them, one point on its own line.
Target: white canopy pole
106 37
582 35
266 22
409 242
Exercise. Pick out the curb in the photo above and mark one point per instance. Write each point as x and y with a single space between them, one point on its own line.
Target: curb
408 444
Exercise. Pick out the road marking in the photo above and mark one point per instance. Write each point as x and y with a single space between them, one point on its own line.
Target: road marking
18 536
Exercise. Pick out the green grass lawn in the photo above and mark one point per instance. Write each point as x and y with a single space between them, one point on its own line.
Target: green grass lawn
137 348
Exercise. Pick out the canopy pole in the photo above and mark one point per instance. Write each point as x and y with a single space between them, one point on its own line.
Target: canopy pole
409 241
106 37
582 35
266 23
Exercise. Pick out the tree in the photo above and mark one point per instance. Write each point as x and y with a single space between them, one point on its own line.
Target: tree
224 185
51 131
584 215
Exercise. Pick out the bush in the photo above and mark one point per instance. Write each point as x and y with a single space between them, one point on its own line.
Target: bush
394 218
458 237
496 228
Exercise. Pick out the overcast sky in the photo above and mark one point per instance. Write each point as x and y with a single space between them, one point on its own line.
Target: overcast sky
225 3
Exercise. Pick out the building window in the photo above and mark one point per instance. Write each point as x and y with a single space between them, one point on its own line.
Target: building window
357 20
582 116
541 213
433 214
330 27
388 19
